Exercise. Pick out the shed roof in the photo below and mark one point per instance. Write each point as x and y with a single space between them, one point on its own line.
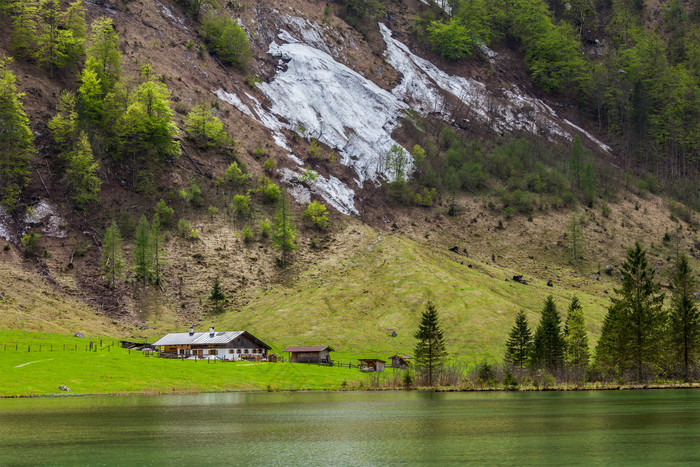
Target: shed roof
368 360
310 348
405 357
204 338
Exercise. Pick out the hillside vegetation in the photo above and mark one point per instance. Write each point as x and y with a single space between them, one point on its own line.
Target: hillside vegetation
142 162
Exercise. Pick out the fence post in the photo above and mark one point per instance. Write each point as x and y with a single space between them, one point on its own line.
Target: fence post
29 349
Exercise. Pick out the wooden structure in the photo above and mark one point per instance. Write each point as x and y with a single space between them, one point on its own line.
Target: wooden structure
400 361
310 354
372 364
229 345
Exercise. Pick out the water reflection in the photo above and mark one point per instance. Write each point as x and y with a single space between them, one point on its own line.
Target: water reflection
355 428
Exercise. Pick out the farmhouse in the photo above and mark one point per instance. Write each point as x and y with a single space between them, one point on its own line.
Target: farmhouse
309 354
227 345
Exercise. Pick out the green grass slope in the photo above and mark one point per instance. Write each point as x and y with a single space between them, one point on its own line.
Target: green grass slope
356 305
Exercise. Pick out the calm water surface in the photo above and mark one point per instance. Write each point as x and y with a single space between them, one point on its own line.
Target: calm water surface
362 428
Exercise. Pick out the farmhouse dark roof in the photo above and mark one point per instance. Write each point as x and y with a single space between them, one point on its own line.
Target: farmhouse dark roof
311 348
371 360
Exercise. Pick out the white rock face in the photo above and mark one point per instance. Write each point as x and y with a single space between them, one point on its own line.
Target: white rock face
5 225
355 117
45 213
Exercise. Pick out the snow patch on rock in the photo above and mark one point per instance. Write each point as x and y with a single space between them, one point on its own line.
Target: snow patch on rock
45 213
5 222
331 190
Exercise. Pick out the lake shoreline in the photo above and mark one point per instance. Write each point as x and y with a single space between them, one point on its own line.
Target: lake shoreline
627 387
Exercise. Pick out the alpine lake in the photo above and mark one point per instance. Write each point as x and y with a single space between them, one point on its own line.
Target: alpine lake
647 427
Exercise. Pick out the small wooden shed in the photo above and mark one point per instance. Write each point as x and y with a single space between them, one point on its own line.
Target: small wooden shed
400 361
309 354
373 364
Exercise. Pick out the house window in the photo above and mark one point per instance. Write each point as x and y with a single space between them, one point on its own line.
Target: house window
238 350
230 350
212 351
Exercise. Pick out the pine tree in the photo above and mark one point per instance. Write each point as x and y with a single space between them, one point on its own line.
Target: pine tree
24 29
142 251
576 162
684 317
103 55
548 345
519 344
576 337
217 295
632 333
156 248
430 350
112 263
16 140
284 231
81 173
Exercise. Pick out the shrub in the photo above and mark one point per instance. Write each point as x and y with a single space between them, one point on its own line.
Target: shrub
235 175
194 234
428 197
227 39
270 191
452 40
270 165
308 176
30 243
202 126
317 213
315 150
247 233
265 227
165 213
183 228
213 211
241 204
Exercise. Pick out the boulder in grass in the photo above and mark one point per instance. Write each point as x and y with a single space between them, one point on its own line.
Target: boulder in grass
64 388
78 334
697 295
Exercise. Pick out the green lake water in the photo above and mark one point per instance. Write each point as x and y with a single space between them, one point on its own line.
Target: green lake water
355 428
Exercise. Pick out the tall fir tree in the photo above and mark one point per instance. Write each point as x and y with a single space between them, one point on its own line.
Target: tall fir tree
112 263
430 352
81 173
519 344
74 23
142 251
684 317
284 230
156 238
548 345
217 296
24 29
64 125
632 335
16 139
576 337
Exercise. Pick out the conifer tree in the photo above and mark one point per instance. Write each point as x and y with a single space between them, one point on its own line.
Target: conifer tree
103 55
684 317
91 96
51 36
519 344
430 350
16 139
112 263
217 295
156 248
632 334
576 337
64 125
74 23
81 173
548 344
24 28
142 251
284 231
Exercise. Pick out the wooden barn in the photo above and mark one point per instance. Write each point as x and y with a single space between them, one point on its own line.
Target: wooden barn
400 361
227 345
372 364
310 354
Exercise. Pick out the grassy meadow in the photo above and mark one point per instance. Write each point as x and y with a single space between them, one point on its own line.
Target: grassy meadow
31 370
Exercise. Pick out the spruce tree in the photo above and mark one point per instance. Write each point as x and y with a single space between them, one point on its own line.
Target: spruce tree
430 350
142 251
217 295
75 26
51 36
632 334
156 248
548 345
16 140
519 344
684 317
81 173
284 231
103 55
24 29
112 263
576 337
64 125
